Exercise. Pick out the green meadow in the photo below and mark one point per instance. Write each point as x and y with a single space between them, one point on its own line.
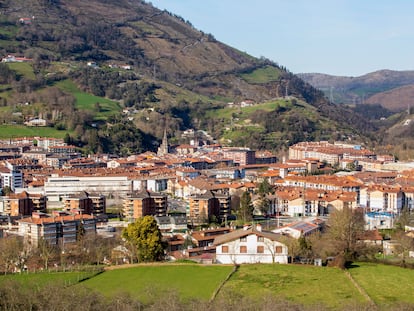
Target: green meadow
385 285
87 101
43 278
303 284
11 131
317 287
188 280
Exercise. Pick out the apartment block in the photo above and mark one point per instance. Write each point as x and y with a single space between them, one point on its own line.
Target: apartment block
58 229
144 203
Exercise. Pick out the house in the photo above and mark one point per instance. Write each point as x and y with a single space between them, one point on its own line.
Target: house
379 220
299 229
25 20
14 59
36 122
250 245
371 237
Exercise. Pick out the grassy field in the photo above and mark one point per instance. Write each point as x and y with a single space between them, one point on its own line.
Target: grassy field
42 278
262 75
245 112
308 285
190 281
10 131
385 284
24 69
87 101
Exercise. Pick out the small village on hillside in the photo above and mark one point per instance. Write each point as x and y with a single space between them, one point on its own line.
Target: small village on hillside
196 194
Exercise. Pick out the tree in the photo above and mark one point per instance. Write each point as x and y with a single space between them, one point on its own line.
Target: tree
46 252
246 207
145 236
345 226
264 188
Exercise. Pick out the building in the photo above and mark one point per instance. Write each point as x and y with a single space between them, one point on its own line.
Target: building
57 187
85 203
209 206
11 178
240 156
250 245
164 148
58 229
23 204
144 203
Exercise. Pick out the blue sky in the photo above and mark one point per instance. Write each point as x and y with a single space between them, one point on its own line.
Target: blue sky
339 37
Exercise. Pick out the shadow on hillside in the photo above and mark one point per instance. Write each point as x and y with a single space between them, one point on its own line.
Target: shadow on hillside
352 265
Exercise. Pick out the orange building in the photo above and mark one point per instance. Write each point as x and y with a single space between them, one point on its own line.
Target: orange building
23 204
144 203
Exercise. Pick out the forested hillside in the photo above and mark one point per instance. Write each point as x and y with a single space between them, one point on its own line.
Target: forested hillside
87 61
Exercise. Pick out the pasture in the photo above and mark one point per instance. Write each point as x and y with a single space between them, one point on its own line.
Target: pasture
315 287
12 131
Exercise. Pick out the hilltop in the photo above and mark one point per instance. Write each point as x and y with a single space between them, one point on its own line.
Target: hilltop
90 60
388 88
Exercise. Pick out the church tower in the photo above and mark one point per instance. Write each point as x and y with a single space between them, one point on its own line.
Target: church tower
163 149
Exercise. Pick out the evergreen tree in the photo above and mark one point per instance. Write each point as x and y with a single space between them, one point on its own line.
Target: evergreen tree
146 237
246 207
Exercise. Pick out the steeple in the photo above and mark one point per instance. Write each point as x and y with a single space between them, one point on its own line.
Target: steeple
163 149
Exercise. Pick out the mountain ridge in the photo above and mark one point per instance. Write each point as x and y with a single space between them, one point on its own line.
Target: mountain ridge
178 71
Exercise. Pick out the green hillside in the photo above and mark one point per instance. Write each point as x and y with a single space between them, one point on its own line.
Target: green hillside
84 71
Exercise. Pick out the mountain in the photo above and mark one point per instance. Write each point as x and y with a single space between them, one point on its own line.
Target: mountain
390 89
79 79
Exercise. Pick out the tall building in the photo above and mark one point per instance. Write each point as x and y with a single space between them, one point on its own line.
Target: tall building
207 206
85 203
144 203
23 204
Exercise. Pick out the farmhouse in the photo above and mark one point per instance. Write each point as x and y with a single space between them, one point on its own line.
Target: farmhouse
250 245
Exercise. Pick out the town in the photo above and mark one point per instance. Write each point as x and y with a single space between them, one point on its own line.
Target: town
195 192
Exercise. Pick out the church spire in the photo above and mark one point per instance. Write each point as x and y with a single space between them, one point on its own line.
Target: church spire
163 149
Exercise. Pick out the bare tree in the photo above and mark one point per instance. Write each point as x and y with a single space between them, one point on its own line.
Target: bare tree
344 228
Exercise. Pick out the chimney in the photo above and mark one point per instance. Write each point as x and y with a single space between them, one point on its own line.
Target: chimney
259 227
245 226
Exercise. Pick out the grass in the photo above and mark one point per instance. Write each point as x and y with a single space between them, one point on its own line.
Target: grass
10 131
43 278
385 284
189 280
24 69
87 101
301 284
262 75
388 286
245 112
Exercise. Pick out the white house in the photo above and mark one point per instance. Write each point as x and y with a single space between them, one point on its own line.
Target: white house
250 245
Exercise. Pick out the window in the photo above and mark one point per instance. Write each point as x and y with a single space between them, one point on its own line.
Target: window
260 239
243 249
243 239
260 249
278 249
224 249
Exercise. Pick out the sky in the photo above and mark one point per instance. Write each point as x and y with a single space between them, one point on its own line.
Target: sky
337 37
